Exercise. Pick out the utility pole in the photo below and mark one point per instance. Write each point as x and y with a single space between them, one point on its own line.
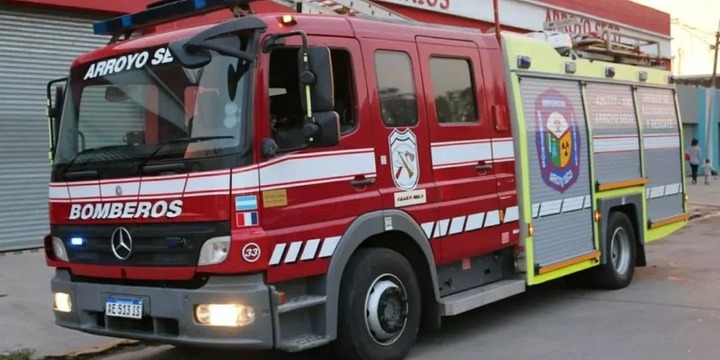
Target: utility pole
680 55
710 148
496 16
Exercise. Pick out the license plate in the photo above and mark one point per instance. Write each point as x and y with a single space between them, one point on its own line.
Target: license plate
124 307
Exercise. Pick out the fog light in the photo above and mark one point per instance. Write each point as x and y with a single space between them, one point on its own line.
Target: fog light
59 249
214 251
224 314
63 303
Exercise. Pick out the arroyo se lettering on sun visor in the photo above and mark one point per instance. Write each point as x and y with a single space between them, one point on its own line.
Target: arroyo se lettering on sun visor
128 62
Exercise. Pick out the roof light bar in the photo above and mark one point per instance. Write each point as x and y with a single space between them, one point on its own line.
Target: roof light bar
163 12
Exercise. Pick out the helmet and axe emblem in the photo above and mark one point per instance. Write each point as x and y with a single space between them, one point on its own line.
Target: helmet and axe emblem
404 159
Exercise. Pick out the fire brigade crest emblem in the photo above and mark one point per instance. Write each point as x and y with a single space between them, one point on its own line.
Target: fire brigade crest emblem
558 140
404 159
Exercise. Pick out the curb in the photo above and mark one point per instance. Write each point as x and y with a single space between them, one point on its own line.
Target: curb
704 205
94 351
20 252
702 211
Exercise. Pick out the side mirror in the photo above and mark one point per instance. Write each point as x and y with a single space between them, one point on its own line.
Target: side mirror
269 148
316 73
194 52
325 131
54 112
317 94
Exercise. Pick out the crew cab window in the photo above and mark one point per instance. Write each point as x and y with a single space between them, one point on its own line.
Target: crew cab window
396 87
453 86
286 114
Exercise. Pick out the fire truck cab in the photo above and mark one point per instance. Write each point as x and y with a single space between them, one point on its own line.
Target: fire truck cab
288 181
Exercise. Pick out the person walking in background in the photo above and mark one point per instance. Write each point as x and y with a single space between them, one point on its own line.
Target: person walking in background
707 171
692 155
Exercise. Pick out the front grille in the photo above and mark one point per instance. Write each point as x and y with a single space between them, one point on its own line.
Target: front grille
195 283
174 244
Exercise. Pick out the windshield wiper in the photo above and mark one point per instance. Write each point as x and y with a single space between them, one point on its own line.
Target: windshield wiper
67 174
188 140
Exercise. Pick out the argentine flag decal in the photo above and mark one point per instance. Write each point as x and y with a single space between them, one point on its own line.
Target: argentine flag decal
246 203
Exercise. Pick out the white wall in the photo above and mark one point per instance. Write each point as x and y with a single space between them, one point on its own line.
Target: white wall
694 23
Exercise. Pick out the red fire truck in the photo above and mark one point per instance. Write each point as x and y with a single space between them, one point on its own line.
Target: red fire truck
288 181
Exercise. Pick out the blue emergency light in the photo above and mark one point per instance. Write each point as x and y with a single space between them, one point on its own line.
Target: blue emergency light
163 12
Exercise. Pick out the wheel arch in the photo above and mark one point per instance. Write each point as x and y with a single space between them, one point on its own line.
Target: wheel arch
393 229
632 207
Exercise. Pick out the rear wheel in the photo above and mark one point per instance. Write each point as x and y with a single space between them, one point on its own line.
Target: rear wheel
379 312
620 250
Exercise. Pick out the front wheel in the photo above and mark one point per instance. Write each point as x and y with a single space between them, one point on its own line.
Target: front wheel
620 249
379 312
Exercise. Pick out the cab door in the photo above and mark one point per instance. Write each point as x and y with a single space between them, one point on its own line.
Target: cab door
405 174
460 134
309 197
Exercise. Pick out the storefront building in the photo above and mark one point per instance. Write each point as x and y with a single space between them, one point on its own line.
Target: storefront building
40 38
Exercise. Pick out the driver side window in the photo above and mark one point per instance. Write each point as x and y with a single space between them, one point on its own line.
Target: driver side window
286 114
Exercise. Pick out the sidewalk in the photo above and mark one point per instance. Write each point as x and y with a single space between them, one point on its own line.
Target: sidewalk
26 316
704 195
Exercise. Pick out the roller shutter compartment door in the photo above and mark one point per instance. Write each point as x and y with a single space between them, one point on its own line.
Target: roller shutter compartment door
558 170
37 45
663 156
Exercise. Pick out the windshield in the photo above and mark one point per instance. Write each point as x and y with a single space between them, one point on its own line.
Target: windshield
144 113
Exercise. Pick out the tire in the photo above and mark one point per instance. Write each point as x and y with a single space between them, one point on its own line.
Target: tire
376 279
620 251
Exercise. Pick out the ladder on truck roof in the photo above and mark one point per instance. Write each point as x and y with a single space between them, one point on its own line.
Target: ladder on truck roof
604 46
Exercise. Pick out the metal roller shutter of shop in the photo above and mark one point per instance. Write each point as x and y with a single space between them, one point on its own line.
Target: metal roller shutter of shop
36 45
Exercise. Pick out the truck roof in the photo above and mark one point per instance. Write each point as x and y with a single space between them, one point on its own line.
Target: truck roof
360 27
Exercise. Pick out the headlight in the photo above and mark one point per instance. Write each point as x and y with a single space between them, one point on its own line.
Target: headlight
63 302
59 249
214 251
224 314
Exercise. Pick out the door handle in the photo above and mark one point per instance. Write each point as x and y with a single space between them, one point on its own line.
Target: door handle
362 182
483 167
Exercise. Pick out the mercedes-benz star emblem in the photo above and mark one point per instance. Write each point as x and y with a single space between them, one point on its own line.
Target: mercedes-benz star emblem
121 243
118 190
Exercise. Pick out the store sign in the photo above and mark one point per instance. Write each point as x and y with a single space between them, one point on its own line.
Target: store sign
531 16
580 25
461 8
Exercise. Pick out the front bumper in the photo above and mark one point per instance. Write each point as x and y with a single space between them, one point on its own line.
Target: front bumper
168 314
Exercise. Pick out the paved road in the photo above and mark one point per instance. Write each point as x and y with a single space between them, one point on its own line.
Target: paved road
26 316
671 311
